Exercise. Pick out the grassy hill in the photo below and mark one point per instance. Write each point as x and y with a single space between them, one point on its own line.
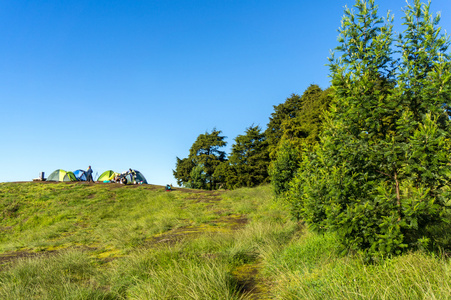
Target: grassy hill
108 241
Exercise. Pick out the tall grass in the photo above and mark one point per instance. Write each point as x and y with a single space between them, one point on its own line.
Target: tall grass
122 262
175 275
144 243
310 268
69 275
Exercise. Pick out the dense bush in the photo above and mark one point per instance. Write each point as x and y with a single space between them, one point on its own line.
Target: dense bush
380 175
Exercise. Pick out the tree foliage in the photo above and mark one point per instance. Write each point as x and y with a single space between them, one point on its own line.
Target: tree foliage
284 167
248 160
299 131
304 128
282 112
381 173
205 156
182 172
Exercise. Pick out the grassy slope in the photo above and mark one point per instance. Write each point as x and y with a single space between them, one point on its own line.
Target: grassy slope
78 241
108 218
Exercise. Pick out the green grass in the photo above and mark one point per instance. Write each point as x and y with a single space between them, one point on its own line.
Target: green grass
77 241
39 216
310 268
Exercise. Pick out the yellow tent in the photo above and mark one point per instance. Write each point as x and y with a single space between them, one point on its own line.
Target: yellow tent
107 176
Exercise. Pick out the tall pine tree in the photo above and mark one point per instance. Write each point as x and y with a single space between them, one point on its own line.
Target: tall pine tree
250 158
380 176
205 155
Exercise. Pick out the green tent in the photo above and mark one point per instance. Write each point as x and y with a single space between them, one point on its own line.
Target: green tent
107 176
61 175
137 178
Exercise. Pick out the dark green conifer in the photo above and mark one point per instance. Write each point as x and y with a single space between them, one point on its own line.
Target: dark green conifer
205 155
250 158
380 176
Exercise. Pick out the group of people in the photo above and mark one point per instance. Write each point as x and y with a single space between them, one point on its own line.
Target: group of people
118 178
121 178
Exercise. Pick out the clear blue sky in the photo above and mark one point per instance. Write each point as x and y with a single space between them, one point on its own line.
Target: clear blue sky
131 84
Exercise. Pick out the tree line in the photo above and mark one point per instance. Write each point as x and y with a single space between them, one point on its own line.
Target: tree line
254 157
369 157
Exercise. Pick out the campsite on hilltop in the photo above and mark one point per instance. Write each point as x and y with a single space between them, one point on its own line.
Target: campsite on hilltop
109 176
345 194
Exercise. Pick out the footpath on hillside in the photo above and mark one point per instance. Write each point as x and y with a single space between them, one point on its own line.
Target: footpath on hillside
109 222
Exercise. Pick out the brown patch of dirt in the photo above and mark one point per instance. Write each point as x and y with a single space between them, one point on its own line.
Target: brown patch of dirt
8 257
204 200
176 235
247 279
235 223
195 191
6 228
249 282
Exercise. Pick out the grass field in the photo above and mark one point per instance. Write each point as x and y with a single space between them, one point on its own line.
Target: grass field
108 241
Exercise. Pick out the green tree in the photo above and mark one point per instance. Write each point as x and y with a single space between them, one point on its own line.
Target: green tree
282 112
298 133
205 155
182 172
225 176
284 167
198 178
299 119
380 176
249 158
305 127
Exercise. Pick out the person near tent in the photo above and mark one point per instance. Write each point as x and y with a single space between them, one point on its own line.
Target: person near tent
89 175
117 178
132 175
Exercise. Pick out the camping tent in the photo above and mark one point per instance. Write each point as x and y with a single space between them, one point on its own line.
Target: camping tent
139 177
107 176
61 175
80 175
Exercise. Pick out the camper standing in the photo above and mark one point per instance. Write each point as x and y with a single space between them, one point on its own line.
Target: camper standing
132 175
89 175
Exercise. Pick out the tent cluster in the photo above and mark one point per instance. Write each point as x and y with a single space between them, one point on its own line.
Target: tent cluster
128 177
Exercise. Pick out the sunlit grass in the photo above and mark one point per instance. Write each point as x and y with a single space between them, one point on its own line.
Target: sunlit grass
113 242
309 267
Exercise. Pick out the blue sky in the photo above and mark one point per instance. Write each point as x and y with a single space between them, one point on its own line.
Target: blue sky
131 84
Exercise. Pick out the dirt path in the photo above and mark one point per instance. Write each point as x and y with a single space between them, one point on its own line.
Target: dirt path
246 275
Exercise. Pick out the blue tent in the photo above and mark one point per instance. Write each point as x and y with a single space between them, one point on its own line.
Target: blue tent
137 178
80 175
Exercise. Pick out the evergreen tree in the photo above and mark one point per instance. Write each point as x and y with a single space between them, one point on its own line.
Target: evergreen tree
284 167
198 178
182 172
301 131
305 127
205 155
380 176
282 112
249 159
225 176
